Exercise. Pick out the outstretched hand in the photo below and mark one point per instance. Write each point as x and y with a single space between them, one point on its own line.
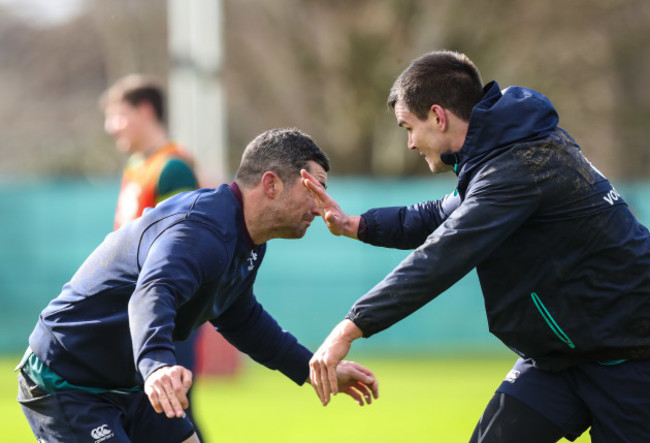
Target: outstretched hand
324 365
167 390
337 221
357 381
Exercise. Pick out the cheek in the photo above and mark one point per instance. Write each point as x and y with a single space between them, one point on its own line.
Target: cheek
302 206
303 198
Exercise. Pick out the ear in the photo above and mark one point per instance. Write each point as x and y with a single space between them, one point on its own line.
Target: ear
271 184
439 115
146 108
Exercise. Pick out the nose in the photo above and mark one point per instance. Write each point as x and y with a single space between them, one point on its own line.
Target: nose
410 144
315 210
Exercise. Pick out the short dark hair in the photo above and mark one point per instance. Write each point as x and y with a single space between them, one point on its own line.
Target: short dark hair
284 151
446 78
136 89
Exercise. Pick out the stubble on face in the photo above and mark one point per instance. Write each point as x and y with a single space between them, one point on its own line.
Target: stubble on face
296 207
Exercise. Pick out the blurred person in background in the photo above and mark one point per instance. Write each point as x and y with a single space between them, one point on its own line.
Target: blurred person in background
564 265
135 115
157 168
101 361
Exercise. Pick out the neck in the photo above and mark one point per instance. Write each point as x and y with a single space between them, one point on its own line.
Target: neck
156 139
457 132
254 215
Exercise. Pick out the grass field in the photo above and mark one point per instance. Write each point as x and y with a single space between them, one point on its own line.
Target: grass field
421 400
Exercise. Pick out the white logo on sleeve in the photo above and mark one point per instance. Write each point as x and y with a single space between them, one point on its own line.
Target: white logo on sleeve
101 433
512 376
251 260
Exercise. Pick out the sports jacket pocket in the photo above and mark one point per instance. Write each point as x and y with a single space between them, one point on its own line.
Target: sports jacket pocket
548 318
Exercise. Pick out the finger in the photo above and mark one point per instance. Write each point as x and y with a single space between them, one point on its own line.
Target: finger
374 387
308 180
332 379
315 187
176 408
155 401
355 395
325 385
168 397
371 382
317 192
329 217
186 378
166 405
180 394
368 377
307 176
317 195
315 376
365 391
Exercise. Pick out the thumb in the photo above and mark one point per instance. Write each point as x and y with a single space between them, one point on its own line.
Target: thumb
186 379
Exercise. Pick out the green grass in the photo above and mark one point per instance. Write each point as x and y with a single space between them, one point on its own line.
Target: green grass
421 400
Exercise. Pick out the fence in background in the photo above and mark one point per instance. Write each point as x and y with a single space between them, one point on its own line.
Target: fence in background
308 285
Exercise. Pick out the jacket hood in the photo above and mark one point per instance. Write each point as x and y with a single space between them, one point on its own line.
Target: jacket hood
502 118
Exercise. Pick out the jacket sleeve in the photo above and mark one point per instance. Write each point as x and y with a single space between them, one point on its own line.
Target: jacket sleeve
177 263
406 227
492 209
247 326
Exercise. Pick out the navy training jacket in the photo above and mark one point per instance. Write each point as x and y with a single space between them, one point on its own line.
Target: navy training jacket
187 261
563 264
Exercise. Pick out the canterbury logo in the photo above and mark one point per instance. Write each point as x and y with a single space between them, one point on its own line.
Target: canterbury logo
101 433
512 376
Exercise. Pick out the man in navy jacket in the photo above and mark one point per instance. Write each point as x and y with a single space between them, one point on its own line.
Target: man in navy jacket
563 264
101 362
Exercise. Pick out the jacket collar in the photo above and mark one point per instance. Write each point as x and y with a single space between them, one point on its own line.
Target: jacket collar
501 119
247 237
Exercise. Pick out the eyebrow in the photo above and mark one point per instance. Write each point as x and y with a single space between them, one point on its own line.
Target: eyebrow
401 123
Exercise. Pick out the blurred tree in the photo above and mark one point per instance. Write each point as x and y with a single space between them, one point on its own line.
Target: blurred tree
132 36
326 67
627 26
45 104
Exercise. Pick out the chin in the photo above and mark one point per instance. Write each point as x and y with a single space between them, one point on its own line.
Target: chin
298 233
124 148
438 169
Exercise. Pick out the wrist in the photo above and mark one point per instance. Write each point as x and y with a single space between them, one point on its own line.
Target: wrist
347 331
351 226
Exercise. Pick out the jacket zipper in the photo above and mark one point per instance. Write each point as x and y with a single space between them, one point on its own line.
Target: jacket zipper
551 322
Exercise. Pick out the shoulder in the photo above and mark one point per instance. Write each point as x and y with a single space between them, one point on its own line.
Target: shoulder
175 166
218 209
176 176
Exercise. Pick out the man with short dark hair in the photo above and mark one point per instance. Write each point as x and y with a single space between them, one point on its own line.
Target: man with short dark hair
101 359
563 263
